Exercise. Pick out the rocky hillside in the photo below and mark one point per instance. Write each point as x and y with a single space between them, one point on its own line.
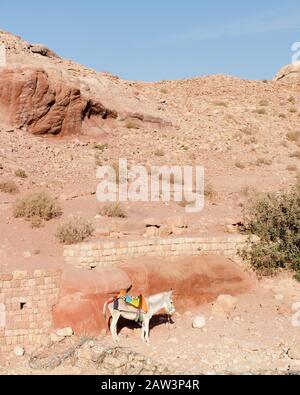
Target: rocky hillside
44 94
59 120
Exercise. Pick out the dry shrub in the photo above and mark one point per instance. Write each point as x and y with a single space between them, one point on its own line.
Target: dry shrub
292 168
20 173
281 115
263 161
209 192
220 103
261 111
295 155
159 153
113 210
247 131
263 103
275 219
130 124
293 110
9 186
101 147
75 230
37 205
293 136
292 100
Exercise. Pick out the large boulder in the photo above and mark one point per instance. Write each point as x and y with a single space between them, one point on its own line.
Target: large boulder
199 322
195 281
41 49
31 99
82 296
81 312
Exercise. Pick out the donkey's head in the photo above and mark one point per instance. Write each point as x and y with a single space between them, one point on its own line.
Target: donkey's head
169 304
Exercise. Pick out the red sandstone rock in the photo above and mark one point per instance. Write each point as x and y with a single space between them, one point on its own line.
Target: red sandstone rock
195 281
105 282
31 99
83 294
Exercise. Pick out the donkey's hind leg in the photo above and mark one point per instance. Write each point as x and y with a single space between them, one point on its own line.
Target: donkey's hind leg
113 327
146 324
143 331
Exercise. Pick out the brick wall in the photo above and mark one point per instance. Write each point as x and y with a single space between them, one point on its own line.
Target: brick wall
100 253
26 301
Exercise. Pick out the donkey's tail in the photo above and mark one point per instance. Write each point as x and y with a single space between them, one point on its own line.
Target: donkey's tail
104 309
105 306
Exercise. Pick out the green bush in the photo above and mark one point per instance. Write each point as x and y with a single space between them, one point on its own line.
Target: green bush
275 219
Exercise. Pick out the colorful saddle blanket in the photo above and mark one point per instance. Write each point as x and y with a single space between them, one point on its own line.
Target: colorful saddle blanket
138 302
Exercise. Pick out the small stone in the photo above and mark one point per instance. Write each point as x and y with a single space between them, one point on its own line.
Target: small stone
65 332
27 254
199 322
19 351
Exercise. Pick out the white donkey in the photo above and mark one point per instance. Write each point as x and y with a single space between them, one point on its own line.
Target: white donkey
155 304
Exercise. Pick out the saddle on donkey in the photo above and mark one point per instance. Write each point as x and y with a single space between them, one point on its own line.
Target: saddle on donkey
138 302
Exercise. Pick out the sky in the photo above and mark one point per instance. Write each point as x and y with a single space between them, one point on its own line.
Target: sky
162 39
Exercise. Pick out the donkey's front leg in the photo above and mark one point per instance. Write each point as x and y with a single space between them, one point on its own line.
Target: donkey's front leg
143 331
146 329
113 328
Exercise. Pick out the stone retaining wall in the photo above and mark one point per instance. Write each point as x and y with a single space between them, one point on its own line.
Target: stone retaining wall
101 253
26 301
